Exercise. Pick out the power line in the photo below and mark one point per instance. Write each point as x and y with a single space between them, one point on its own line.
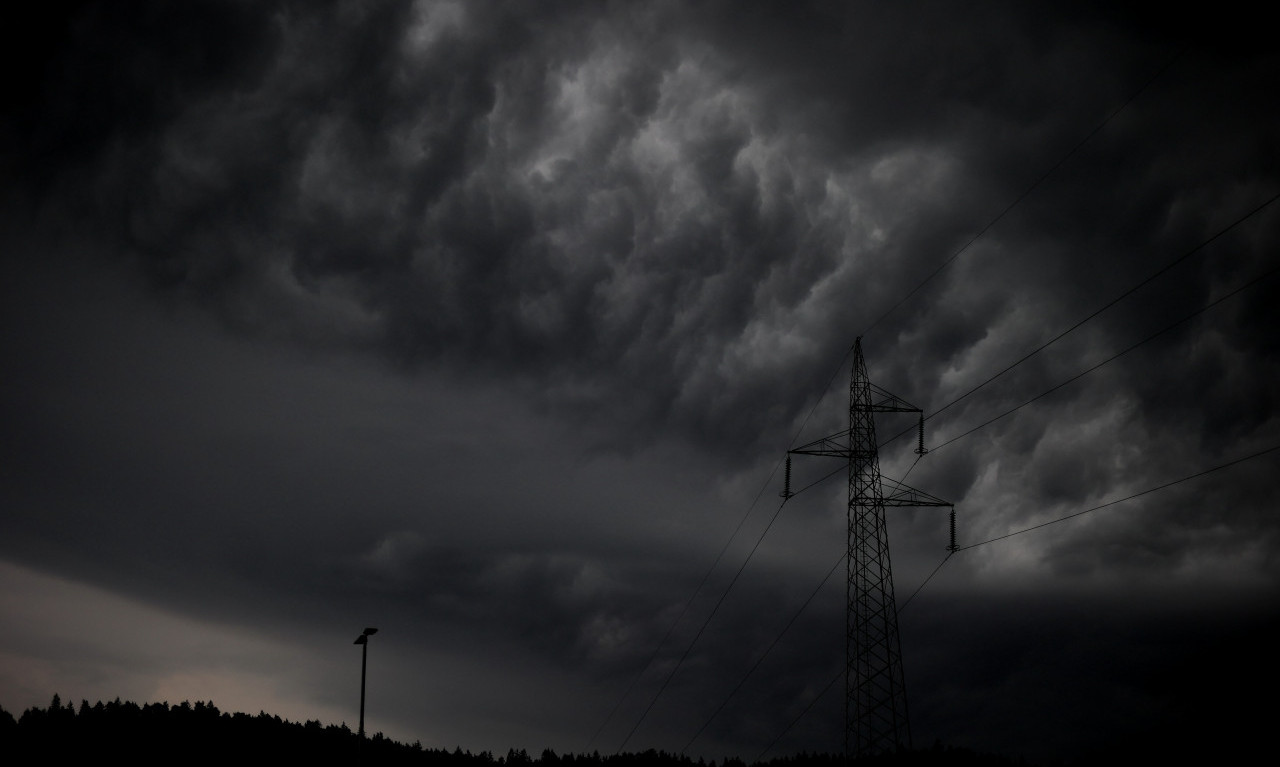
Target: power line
1007 369
1261 277
783 632
683 610
720 601
1116 300
926 581
698 589
1188 478
799 716
795 437
1061 161
1102 309
809 415
839 673
703 627
785 628
765 654
1029 189
733 536
662 643
1201 310
723 594
941 267
1122 500
1117 355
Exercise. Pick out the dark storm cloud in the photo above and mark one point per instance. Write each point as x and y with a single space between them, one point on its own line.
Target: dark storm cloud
635 192
461 246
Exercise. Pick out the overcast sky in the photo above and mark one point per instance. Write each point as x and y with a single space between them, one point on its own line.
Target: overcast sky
484 324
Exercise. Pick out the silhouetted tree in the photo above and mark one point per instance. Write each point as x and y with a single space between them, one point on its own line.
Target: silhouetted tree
199 733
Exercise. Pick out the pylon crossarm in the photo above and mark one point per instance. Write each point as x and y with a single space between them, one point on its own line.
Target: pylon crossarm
887 402
898 494
834 446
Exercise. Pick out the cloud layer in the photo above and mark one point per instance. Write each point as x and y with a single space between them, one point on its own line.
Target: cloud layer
487 321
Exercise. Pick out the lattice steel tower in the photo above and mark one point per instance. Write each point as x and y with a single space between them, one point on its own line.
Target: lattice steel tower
875 690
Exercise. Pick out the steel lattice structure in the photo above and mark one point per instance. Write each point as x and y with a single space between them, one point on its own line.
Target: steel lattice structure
876 718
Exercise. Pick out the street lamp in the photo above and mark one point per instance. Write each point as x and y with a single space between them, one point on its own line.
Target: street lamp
363 640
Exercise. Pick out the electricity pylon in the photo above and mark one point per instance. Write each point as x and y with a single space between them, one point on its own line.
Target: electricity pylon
875 690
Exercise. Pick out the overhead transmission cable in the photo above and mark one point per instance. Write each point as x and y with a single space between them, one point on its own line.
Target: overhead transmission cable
714 564
703 627
670 629
1259 278
1162 270
725 594
765 654
827 388
1117 355
795 616
1039 526
1188 478
1007 369
1027 192
839 673
930 277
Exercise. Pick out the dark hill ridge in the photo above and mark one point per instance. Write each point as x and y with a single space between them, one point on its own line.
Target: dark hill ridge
199 733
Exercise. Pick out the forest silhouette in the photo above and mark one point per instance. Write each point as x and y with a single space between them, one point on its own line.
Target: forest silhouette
199 733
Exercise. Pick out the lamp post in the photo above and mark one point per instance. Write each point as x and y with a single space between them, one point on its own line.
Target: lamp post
363 641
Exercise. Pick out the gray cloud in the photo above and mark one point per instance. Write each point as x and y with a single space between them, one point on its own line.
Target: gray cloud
490 320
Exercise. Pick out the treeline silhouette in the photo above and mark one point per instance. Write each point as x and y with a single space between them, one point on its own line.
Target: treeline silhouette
199 733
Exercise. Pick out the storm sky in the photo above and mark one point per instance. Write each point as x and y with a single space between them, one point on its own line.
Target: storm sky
485 323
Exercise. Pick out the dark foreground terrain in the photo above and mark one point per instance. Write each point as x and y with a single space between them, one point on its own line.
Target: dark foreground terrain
199 733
